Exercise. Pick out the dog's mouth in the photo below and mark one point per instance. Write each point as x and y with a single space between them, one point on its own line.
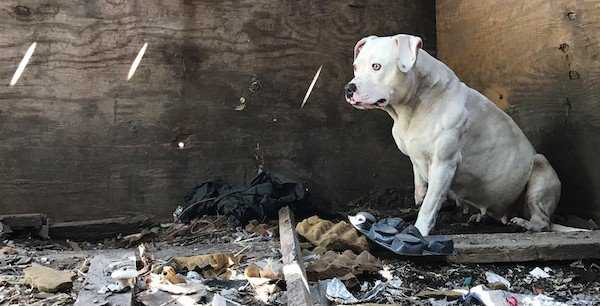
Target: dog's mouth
364 105
381 102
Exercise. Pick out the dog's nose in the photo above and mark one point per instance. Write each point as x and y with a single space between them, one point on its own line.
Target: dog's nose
350 89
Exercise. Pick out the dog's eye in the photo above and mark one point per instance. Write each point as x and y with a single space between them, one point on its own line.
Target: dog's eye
376 66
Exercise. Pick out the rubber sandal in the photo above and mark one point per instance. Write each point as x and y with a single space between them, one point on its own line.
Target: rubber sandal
401 238
407 245
440 245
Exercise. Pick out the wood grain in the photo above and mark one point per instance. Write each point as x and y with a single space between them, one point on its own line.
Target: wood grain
523 247
538 60
98 277
77 141
297 288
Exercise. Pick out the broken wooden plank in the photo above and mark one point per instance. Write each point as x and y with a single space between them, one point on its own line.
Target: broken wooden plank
522 247
298 291
35 223
23 221
94 230
98 276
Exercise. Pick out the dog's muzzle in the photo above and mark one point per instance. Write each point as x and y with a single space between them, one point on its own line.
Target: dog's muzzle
349 90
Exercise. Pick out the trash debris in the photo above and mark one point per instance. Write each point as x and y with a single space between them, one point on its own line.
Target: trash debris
326 235
47 279
501 297
269 269
197 230
261 199
137 238
264 288
185 294
539 273
54 300
496 281
400 237
125 277
218 300
169 275
184 288
346 266
261 229
8 250
438 294
210 266
386 273
467 281
193 276
337 292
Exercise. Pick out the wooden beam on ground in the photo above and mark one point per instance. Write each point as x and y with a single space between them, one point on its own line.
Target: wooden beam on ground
298 291
21 221
522 247
95 230
98 276
35 223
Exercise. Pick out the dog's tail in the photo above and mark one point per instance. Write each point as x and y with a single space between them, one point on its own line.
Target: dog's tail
565 229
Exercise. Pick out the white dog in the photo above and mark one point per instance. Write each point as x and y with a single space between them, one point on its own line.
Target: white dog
461 145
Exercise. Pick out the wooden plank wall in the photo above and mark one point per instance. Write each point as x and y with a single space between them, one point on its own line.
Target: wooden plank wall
77 141
538 60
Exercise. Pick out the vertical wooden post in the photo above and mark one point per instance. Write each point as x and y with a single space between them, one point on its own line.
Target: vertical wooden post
298 292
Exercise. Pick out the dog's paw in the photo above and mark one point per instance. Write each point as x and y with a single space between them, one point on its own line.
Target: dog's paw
476 218
521 223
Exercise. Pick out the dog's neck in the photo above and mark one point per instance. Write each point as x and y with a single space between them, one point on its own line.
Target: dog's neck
429 79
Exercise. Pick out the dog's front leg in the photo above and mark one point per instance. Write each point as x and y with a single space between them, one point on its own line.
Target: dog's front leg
441 174
420 187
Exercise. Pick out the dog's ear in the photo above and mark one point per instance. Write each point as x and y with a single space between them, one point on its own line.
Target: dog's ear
408 47
360 44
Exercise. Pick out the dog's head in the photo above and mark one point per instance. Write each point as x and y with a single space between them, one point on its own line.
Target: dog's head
383 70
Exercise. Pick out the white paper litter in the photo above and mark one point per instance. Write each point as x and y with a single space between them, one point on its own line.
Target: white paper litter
492 278
539 273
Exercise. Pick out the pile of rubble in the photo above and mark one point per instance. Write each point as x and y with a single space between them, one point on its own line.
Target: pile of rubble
208 262
212 259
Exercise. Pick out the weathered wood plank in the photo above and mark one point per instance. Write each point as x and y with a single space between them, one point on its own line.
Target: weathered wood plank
21 221
36 223
97 229
98 277
522 247
79 142
297 289
537 60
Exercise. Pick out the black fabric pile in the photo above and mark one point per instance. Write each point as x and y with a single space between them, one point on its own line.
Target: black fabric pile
400 237
259 200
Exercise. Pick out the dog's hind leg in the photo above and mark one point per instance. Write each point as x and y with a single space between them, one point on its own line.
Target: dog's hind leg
541 196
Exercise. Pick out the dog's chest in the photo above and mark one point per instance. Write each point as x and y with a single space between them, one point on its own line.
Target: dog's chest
413 144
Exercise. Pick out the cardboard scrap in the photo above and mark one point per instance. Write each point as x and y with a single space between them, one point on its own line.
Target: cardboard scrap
211 266
332 264
169 275
47 279
269 268
8 250
326 235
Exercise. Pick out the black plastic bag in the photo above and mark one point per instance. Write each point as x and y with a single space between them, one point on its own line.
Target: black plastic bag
260 200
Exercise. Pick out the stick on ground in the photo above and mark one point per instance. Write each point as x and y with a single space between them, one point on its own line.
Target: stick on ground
298 292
